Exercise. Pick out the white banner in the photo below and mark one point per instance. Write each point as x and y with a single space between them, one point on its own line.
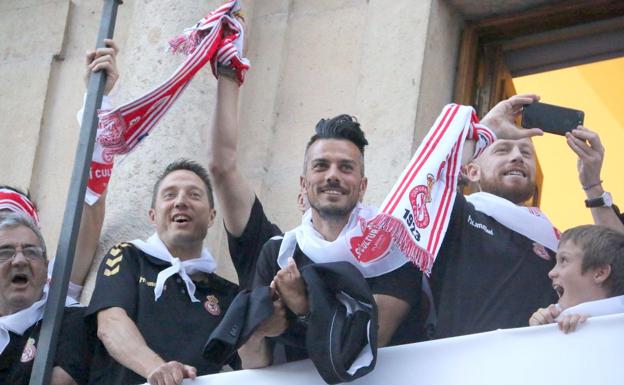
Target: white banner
592 355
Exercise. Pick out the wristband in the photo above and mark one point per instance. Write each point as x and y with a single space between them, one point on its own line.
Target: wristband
592 185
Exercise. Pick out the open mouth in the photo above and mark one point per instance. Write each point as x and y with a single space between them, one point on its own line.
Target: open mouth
179 218
333 190
559 290
515 173
19 279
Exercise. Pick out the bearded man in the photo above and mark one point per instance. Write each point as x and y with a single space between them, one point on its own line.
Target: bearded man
492 269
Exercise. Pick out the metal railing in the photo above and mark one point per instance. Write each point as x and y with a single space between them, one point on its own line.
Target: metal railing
53 314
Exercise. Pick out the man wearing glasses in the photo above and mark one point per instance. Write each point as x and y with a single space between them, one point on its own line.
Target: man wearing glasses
23 293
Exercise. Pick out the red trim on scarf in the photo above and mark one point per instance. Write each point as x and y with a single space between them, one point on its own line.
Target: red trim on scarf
431 144
18 204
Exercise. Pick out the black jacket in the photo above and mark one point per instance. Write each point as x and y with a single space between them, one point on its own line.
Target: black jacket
341 326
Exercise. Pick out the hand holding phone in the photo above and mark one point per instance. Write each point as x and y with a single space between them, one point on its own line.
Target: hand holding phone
550 118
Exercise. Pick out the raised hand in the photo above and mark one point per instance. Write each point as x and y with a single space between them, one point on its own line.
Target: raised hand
587 146
104 59
291 288
570 322
501 118
544 316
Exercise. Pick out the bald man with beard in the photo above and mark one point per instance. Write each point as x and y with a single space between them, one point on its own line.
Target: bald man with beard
492 268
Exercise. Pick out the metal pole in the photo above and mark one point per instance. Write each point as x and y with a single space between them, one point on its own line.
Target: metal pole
53 315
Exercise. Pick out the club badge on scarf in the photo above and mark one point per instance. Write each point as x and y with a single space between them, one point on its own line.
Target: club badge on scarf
417 210
217 38
370 250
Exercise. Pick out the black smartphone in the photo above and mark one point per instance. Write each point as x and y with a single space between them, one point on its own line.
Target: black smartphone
554 119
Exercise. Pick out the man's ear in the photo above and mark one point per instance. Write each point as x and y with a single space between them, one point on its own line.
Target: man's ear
152 216
211 217
601 274
301 201
363 186
302 185
473 172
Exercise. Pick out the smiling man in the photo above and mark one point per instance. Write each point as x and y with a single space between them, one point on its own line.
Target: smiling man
334 184
23 294
492 269
156 302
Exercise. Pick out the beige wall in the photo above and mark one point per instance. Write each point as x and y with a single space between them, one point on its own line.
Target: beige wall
390 63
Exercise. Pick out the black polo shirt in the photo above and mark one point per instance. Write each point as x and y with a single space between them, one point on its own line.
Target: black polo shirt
245 249
403 283
486 276
72 352
174 327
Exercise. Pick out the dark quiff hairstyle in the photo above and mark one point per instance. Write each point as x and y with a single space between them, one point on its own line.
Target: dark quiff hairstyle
345 127
188 165
601 246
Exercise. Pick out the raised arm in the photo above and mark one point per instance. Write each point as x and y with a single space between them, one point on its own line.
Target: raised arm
501 119
234 194
102 59
587 146
126 345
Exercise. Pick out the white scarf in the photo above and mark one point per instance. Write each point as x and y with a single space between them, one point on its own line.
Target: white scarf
418 208
528 221
19 322
371 251
157 249
597 308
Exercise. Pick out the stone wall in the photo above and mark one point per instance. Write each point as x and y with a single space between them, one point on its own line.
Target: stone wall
390 63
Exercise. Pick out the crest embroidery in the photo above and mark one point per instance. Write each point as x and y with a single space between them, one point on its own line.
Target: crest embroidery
212 305
30 350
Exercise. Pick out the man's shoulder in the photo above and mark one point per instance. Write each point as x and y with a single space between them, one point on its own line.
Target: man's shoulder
222 284
133 252
272 246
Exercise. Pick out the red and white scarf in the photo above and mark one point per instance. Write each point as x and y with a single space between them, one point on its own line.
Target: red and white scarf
370 250
417 210
101 167
217 38
18 203
528 221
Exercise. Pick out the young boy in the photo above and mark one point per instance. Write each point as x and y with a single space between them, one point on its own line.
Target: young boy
588 277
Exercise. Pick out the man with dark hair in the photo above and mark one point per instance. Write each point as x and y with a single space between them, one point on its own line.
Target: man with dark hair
340 127
334 184
23 294
188 165
588 277
156 301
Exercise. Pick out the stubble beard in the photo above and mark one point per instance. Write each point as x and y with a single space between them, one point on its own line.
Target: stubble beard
517 195
332 213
